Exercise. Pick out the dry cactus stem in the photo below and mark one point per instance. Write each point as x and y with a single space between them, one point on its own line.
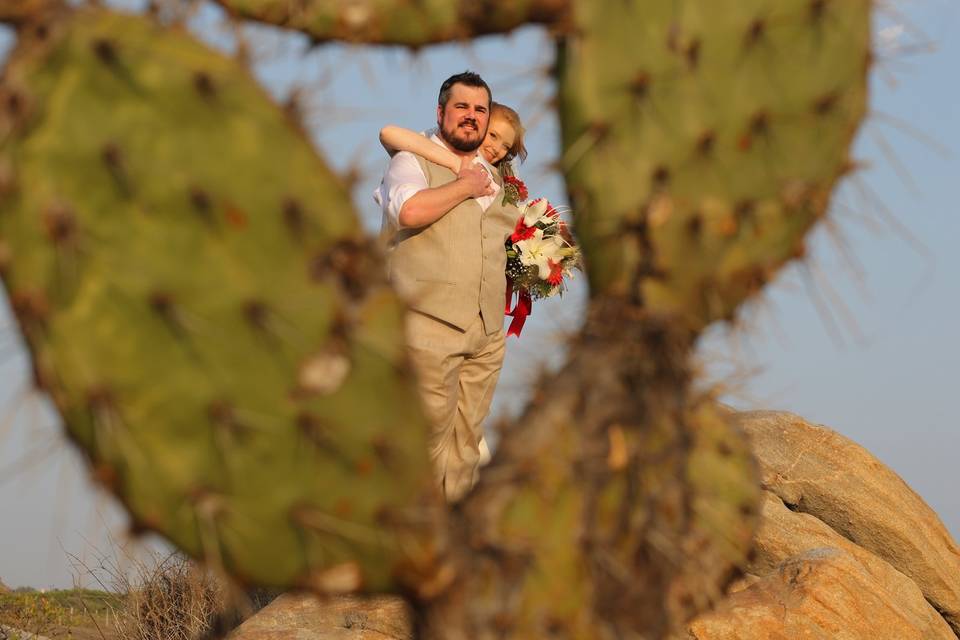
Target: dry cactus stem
617 508
701 142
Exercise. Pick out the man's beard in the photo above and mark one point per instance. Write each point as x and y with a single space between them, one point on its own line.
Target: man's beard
458 143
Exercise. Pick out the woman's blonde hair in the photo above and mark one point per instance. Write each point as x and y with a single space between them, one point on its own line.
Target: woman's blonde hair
518 150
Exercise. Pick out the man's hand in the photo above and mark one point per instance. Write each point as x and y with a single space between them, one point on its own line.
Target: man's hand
474 178
429 205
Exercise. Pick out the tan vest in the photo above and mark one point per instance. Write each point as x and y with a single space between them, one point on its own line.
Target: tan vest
453 269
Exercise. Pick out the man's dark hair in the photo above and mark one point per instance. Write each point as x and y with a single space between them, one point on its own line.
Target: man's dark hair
468 78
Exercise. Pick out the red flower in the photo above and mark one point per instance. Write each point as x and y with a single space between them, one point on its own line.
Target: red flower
517 184
521 231
556 273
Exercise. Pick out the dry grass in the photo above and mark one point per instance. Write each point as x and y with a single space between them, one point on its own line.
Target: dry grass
168 597
173 600
55 614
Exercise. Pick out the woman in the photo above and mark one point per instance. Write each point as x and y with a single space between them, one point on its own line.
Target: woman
502 144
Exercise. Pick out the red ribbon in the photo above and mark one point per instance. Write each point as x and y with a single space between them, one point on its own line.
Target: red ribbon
523 308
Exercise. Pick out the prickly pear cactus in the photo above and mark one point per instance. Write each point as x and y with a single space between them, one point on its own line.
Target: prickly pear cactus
203 309
700 159
398 21
701 140
21 11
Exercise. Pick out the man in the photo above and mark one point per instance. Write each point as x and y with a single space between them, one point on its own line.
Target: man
445 237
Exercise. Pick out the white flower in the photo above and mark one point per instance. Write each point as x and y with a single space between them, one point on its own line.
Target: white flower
539 251
532 213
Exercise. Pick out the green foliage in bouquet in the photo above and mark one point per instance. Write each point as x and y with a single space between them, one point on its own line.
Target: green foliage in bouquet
202 308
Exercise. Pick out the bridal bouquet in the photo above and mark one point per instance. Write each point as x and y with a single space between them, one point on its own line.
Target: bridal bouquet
541 253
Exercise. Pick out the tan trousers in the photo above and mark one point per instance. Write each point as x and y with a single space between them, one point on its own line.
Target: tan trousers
457 373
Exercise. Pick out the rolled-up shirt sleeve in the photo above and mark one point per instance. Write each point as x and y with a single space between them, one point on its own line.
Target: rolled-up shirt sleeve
403 179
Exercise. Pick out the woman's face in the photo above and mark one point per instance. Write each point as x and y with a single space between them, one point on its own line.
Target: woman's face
499 140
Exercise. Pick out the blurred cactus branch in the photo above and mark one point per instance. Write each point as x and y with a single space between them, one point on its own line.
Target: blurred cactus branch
619 420
400 22
18 12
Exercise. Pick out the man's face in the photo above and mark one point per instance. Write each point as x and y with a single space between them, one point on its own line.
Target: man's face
463 121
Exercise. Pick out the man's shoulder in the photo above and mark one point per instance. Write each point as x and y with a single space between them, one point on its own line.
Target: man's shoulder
403 156
405 162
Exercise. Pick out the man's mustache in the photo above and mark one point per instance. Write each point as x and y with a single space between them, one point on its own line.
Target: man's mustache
470 121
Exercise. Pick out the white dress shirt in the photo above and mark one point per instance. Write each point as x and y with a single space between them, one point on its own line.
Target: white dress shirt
404 178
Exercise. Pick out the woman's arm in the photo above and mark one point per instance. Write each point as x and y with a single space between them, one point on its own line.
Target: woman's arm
395 139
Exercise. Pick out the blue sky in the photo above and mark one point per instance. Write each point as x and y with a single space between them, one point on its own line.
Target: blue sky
860 338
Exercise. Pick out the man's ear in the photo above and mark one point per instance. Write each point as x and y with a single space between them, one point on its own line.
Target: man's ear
440 116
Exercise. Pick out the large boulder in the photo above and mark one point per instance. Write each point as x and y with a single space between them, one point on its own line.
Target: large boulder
824 594
816 471
306 617
845 549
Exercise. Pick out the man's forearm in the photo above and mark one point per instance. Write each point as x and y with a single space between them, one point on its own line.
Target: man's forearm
429 205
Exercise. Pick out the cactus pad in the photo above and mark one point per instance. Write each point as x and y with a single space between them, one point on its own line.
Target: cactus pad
398 21
703 139
21 11
203 308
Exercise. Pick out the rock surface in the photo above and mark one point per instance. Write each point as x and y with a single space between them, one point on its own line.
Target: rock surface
305 617
4 588
824 594
817 471
786 539
845 551
785 535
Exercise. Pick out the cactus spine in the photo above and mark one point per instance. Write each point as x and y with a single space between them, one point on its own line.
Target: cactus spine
701 142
